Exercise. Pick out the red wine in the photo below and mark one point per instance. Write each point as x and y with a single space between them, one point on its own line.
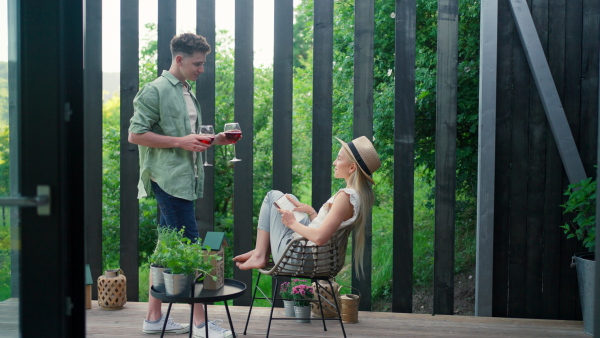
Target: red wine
212 139
233 135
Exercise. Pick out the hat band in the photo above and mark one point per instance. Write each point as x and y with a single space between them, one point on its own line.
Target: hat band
358 158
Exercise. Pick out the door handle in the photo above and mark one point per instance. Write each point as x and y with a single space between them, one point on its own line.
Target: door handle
41 201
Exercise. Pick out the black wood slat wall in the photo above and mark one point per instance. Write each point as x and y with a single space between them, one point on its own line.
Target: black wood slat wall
244 110
363 120
322 101
404 148
129 152
532 273
445 156
205 93
92 128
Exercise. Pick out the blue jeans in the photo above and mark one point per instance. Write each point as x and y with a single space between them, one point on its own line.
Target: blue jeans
176 213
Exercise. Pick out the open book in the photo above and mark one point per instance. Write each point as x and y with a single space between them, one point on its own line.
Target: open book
284 203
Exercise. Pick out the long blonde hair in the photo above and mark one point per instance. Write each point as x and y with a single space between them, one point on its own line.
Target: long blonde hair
359 182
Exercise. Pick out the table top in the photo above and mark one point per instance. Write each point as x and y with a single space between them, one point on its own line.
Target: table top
231 289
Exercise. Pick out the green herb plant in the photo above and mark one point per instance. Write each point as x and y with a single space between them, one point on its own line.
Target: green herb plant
581 203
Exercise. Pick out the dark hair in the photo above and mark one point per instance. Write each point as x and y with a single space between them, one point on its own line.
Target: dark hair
188 44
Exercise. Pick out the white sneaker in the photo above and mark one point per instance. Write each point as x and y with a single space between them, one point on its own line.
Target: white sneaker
172 327
214 330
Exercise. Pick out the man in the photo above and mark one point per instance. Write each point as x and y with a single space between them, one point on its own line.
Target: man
166 115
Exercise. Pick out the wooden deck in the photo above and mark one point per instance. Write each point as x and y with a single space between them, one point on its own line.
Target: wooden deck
127 322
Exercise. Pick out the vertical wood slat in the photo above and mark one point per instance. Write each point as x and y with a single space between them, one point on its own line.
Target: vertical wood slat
167 21
282 100
519 159
445 156
205 93
244 110
322 101
535 180
487 154
363 121
129 152
404 149
502 166
553 185
282 95
92 131
569 306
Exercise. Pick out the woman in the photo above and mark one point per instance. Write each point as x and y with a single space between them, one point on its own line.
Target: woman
355 163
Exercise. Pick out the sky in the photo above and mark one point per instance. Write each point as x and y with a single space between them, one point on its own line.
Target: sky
186 21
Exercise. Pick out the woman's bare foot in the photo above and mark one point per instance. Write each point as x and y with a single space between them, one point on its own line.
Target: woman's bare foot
254 262
243 257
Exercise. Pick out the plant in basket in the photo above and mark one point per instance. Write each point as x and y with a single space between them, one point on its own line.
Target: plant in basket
302 294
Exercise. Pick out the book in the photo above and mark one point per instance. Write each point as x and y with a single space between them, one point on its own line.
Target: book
284 203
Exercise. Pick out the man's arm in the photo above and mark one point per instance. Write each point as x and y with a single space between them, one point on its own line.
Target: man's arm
152 140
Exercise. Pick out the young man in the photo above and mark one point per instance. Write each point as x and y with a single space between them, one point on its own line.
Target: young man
166 115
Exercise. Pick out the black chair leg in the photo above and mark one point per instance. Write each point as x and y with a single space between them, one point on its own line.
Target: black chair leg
337 307
275 288
318 285
252 303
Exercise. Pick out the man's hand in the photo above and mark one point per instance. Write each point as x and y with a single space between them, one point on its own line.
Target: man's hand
193 142
222 140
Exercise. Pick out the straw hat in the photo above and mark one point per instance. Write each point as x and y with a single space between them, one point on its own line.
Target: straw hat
363 152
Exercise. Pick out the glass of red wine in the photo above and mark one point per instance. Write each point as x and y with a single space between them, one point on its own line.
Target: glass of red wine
233 133
208 131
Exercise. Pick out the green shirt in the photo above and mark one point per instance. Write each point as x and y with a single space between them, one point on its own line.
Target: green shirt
159 107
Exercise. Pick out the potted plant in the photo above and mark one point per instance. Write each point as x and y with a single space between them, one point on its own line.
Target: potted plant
581 202
303 295
183 261
285 290
158 258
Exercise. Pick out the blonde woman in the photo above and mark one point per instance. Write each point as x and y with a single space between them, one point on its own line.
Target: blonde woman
355 163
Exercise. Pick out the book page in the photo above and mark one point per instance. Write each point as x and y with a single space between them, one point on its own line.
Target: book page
284 203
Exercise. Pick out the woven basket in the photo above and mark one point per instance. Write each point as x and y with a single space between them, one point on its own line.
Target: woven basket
349 306
329 310
112 290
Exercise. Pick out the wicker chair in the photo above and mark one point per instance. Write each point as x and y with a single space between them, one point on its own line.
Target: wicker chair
301 260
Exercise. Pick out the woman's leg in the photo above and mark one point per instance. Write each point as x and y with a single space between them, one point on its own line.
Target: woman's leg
270 235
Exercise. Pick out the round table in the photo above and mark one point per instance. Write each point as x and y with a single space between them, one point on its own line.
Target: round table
231 289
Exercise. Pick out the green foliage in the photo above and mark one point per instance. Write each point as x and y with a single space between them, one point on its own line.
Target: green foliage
177 253
581 203
148 55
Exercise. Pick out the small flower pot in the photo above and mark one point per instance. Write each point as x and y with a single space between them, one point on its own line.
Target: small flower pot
288 306
178 285
158 279
302 314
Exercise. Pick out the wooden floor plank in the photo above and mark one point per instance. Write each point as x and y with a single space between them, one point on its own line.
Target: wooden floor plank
127 322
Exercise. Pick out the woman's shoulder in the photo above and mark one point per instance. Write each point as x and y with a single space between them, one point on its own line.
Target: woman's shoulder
348 191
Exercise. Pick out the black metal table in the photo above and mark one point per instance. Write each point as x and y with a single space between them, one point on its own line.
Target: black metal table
232 289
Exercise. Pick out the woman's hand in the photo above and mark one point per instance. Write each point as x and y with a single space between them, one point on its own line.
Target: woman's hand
305 208
287 217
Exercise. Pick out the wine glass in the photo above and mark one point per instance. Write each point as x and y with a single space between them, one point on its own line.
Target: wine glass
233 133
208 131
